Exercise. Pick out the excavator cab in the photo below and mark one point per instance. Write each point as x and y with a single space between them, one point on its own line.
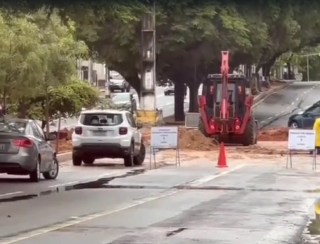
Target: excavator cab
226 109
212 88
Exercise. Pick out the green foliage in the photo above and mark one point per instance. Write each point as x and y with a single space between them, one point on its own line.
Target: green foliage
37 56
64 100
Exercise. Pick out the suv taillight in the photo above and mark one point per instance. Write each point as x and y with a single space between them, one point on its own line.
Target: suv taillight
123 130
78 130
25 143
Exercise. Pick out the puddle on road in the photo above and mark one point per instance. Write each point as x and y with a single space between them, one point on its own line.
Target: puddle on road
101 183
18 198
311 234
94 184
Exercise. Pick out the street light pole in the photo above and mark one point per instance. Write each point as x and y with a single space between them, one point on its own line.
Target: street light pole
308 74
308 68
154 53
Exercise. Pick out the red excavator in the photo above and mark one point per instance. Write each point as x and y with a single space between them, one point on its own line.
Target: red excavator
226 112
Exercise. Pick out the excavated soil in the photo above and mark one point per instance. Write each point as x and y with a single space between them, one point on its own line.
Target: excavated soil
279 134
189 139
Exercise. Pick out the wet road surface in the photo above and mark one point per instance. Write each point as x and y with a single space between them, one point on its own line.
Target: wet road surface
245 203
275 110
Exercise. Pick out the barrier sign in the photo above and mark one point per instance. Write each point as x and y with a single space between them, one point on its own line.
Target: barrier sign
301 140
164 137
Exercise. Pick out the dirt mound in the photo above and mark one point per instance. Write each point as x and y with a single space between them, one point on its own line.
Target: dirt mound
193 139
65 144
280 134
261 149
190 139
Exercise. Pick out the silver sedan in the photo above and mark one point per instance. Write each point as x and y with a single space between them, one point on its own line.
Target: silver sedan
25 150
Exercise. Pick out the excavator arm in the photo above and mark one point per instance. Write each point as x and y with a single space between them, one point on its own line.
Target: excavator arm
224 114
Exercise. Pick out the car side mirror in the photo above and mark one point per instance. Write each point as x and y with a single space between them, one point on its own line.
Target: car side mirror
51 137
139 125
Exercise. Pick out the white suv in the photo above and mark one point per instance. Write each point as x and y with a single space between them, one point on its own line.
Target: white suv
107 134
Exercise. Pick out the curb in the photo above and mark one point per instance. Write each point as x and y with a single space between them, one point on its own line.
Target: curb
62 157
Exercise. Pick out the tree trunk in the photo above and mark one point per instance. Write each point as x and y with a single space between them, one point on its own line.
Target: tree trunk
22 110
135 82
193 97
266 68
257 80
289 70
248 70
47 111
4 101
43 124
179 100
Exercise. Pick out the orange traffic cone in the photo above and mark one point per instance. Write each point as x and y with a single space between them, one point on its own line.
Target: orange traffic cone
222 160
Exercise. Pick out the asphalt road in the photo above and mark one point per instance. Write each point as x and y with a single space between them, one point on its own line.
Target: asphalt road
246 203
275 110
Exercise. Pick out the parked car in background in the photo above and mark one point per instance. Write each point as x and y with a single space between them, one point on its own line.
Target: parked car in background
107 134
125 101
305 119
117 82
25 150
120 85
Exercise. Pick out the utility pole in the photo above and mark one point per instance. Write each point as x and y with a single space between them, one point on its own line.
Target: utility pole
148 72
308 66
107 76
308 72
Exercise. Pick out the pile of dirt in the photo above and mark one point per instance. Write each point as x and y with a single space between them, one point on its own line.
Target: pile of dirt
65 144
280 134
193 139
189 139
261 149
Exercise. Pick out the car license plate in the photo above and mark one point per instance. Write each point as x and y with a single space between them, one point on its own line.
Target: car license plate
2 147
99 133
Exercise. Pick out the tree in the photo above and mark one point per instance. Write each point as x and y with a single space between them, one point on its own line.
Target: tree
63 101
38 56
20 63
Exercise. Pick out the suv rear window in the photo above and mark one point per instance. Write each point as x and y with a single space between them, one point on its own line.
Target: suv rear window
102 119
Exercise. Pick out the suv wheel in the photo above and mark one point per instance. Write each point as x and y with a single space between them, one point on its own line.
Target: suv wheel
76 160
129 159
88 160
139 159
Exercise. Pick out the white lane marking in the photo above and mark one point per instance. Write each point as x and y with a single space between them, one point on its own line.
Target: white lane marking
212 177
65 184
10 193
78 220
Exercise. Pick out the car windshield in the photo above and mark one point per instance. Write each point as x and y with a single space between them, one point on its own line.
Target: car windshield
12 126
121 98
101 119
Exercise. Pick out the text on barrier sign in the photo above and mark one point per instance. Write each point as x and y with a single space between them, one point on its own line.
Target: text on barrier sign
164 137
300 139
